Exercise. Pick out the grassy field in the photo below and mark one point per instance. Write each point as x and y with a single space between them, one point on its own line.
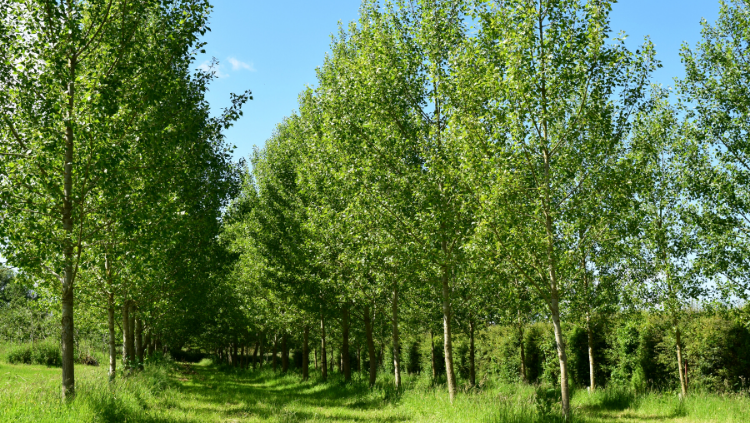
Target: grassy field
203 393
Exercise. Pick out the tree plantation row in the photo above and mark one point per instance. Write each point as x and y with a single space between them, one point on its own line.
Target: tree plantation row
462 167
113 174
499 177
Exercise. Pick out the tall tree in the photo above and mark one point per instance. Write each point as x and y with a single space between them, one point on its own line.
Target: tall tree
547 109
717 90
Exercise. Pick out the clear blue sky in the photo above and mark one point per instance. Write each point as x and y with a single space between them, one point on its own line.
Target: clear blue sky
273 48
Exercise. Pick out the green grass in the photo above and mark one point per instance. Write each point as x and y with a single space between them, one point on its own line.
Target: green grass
202 393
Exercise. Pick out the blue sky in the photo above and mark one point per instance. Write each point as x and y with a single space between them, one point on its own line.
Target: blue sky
273 48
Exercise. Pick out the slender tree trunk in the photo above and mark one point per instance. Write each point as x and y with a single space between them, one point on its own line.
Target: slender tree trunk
152 346
359 356
345 364
396 341
590 336
284 353
680 365
381 359
447 337
370 346
147 343
559 340
323 361
274 359
255 354
139 340
261 352
472 370
432 355
125 336
67 327
112 342
131 331
305 354
524 377
315 357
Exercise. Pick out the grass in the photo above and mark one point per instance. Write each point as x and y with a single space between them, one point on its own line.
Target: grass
167 392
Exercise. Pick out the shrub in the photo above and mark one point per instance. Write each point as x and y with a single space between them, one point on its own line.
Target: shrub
44 352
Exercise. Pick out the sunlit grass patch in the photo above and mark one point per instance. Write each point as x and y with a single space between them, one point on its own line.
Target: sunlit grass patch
201 392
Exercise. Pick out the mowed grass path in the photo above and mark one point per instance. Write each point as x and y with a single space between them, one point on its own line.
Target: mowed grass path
202 393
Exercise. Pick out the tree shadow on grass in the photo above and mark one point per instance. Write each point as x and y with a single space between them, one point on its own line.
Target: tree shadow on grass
616 404
267 395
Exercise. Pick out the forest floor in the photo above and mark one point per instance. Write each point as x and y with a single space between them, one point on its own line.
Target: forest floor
195 393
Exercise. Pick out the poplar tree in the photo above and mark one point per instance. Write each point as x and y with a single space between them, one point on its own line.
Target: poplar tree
547 106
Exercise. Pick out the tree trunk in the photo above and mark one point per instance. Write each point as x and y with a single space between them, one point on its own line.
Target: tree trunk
112 341
274 359
255 354
432 355
561 355
139 340
524 377
381 356
131 331
125 336
323 361
67 344
261 352
590 336
447 339
152 347
359 356
396 346
370 346
345 364
680 366
472 371
305 354
284 353
147 343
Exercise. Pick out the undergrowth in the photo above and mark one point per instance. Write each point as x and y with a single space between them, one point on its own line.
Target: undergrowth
167 392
